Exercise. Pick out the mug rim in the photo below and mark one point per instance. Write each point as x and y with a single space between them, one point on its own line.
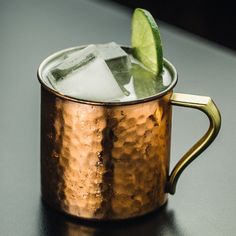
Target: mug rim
167 64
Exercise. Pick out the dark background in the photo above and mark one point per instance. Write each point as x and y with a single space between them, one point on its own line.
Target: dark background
31 30
214 21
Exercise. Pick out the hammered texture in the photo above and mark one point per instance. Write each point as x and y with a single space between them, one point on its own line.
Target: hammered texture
104 162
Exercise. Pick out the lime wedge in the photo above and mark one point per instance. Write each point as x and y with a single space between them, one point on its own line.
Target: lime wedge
144 81
146 40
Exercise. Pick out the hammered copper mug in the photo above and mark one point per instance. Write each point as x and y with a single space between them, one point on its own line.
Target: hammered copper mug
102 160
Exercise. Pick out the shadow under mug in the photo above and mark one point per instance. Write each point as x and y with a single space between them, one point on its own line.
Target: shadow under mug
104 161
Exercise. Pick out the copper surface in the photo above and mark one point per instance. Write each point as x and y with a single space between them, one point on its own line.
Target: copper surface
104 162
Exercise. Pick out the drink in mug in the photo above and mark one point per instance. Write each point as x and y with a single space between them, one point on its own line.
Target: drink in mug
119 76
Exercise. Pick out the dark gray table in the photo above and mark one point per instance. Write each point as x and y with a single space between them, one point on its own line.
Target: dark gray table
205 201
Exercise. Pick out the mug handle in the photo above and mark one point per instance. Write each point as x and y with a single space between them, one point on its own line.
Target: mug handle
206 105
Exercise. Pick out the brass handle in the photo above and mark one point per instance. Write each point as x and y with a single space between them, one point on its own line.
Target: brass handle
206 105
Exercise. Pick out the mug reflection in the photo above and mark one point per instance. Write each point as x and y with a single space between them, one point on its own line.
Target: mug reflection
161 222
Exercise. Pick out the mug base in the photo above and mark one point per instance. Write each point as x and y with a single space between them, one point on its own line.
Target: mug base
104 219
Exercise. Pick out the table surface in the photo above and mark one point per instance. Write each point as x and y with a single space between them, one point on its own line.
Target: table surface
205 201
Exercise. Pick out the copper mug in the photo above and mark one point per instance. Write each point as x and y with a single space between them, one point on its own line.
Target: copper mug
102 160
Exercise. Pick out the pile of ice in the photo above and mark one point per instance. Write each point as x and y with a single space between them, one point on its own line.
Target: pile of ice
97 72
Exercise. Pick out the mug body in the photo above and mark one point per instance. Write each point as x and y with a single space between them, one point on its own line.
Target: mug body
101 160
104 161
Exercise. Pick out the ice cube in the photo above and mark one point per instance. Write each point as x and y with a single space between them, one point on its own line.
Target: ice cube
85 75
118 61
110 51
72 63
130 87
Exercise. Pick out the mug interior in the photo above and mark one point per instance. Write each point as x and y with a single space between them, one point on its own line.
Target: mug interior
53 60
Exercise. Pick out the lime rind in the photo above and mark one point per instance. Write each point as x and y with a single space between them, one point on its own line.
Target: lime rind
146 41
